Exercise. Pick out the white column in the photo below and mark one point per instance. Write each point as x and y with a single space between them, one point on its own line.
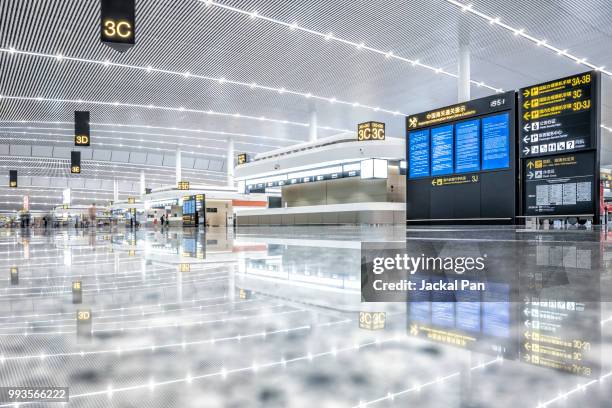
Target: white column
312 125
142 183
178 167
463 82
463 61
230 163
115 190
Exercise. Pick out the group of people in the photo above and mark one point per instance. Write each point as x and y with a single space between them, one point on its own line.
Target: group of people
165 221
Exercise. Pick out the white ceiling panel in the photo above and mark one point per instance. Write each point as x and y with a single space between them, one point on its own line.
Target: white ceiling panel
62 152
59 182
40 181
41 151
92 184
76 183
199 115
169 160
120 156
21 150
155 159
107 185
215 165
138 158
187 162
201 164
99 154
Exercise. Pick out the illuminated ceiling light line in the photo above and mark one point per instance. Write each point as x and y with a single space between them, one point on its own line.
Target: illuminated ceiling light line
99 165
129 178
160 149
220 80
123 177
164 326
237 142
309 357
392 395
522 33
360 46
177 129
579 388
168 108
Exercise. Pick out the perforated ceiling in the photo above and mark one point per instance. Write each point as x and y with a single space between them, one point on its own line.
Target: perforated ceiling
211 55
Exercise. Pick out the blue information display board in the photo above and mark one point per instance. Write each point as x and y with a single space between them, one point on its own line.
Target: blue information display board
419 154
496 142
442 150
467 146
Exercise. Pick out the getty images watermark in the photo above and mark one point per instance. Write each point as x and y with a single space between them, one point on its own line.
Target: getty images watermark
391 272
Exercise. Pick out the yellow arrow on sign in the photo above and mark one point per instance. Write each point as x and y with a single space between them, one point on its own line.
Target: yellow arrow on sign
526 92
527 104
529 165
527 116
433 182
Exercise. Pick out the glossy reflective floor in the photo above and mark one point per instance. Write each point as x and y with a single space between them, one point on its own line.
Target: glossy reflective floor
270 317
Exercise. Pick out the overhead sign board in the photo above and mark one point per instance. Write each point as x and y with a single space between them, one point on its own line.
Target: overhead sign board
77 292
118 24
371 131
131 200
372 320
14 275
183 185
560 185
243 158
560 116
13 178
75 162
81 128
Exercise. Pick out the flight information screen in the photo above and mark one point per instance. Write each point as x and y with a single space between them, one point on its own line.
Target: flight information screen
442 150
467 146
466 138
419 153
496 142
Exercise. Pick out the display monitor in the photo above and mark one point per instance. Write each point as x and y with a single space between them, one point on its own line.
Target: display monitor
496 142
467 146
442 150
418 154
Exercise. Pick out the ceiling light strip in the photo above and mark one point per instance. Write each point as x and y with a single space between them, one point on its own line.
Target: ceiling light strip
167 108
496 21
162 135
220 80
177 129
360 46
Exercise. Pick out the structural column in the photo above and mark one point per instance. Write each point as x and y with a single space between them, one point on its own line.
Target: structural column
115 190
230 163
178 167
142 183
463 81
312 125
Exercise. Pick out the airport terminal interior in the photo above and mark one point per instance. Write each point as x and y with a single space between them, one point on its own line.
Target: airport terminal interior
340 203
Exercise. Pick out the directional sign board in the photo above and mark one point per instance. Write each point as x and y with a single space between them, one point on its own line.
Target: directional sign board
559 116
118 24
560 185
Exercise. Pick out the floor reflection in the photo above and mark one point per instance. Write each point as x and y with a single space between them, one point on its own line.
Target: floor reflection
273 317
